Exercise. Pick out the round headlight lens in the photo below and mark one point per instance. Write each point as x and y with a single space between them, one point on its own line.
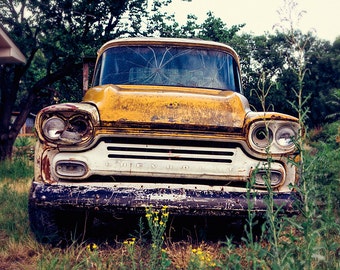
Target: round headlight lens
262 136
79 125
285 136
53 127
76 129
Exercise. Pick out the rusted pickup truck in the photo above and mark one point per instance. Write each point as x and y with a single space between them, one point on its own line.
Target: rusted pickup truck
165 123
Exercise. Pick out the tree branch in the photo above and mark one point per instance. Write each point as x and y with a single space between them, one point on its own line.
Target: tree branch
66 70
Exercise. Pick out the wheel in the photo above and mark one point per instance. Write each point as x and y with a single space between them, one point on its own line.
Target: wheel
43 224
57 227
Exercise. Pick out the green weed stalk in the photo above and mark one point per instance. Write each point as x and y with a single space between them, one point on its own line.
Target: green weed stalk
157 221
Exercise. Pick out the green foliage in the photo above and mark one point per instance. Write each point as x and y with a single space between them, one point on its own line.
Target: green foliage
269 55
318 187
324 136
326 151
20 167
232 259
24 147
13 214
334 103
16 169
215 29
54 36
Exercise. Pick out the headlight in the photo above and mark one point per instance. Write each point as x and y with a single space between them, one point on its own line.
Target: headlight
285 136
262 136
77 128
53 127
274 136
60 130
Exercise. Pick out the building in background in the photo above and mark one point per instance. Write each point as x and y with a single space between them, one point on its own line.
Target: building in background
10 54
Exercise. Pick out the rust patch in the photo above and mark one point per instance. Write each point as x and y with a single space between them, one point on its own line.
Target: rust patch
71 106
67 106
46 168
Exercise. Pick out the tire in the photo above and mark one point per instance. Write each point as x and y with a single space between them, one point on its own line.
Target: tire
44 226
57 227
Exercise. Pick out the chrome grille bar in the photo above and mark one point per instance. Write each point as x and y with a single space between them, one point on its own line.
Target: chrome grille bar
169 152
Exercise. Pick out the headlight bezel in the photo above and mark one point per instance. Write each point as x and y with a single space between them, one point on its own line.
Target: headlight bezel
271 143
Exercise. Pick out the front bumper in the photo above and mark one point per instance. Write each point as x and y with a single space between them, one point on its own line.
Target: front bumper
179 201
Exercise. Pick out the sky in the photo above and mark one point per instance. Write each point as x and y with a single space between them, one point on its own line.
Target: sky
322 17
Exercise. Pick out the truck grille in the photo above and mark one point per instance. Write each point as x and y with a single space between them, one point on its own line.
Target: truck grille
124 158
148 160
179 150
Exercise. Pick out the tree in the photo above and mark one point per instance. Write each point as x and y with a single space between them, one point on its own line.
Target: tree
55 36
215 29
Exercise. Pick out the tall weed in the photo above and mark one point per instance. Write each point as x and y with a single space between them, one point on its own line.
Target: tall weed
305 241
13 214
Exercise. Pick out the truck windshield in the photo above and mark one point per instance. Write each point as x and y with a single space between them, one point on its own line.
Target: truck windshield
168 66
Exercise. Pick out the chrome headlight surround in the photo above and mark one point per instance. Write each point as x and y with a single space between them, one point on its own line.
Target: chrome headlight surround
66 129
273 136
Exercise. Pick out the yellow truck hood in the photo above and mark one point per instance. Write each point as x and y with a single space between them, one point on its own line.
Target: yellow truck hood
168 105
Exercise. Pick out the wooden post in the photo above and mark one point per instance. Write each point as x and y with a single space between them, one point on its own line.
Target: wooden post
88 62
85 77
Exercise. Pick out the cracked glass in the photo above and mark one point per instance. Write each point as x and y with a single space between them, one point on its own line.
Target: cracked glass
168 66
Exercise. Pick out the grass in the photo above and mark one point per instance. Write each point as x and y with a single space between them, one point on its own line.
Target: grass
308 241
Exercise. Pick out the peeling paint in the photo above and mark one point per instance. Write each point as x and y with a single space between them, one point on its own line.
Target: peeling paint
179 201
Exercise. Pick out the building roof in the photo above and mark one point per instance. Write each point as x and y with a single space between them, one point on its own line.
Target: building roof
9 52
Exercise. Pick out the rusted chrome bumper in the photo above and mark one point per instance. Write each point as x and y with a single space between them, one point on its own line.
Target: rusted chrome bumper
180 201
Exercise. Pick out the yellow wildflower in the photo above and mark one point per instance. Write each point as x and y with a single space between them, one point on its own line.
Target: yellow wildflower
130 242
92 247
